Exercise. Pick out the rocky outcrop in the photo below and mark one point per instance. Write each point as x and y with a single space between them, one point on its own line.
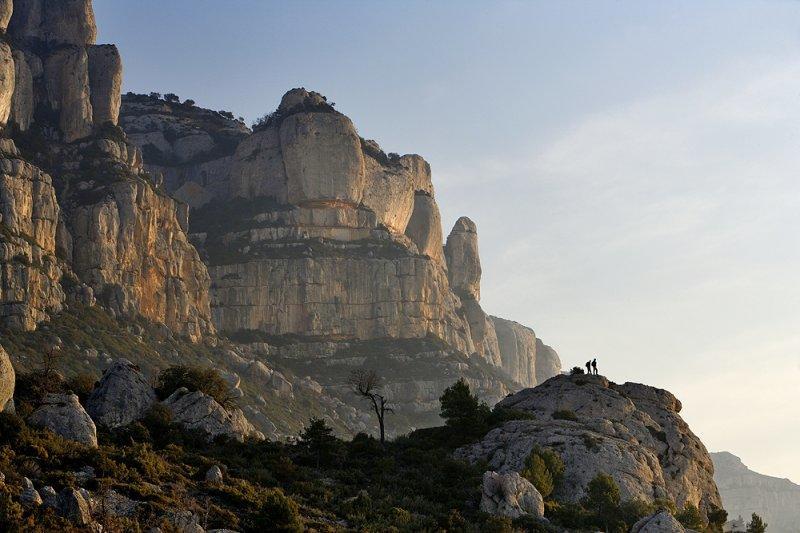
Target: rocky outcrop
745 492
7 381
195 410
7 82
511 495
55 22
66 76
63 415
631 432
257 167
29 269
524 358
23 102
425 227
463 259
6 9
105 81
122 396
661 522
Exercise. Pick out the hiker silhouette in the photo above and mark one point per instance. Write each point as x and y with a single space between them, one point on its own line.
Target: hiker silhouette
594 366
588 367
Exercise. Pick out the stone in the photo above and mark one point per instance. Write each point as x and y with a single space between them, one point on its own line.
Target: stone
214 475
105 83
193 195
63 415
56 22
323 159
631 432
510 495
389 192
300 97
257 168
195 410
29 496
122 396
7 81
73 505
114 504
22 103
7 380
660 522
463 259
425 227
743 491
6 9
49 496
67 82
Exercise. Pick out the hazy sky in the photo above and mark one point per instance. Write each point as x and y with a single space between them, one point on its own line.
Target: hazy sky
632 166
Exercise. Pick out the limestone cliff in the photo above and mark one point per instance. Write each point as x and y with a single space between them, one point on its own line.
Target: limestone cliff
632 432
745 492
525 358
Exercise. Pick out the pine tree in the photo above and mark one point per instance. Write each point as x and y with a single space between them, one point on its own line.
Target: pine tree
756 525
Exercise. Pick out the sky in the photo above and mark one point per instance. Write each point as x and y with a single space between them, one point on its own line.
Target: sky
632 167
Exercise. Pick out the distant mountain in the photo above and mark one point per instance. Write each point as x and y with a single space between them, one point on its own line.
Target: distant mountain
745 492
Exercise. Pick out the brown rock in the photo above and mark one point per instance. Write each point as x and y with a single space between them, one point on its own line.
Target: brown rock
425 227
22 103
105 82
7 77
67 81
463 259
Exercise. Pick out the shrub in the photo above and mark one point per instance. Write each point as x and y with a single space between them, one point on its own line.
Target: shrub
194 378
278 512
603 498
82 385
691 518
576 371
716 518
463 412
544 469
318 442
756 524
565 414
11 429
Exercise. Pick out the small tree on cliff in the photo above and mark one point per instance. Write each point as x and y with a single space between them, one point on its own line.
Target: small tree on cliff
368 385
463 411
756 524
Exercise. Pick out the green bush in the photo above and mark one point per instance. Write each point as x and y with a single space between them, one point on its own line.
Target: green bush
544 469
565 414
691 518
278 512
195 378
467 416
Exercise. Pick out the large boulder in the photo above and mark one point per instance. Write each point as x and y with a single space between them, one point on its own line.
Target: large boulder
509 494
7 380
196 410
73 505
323 159
122 396
6 9
463 260
660 522
105 82
63 415
631 432
425 227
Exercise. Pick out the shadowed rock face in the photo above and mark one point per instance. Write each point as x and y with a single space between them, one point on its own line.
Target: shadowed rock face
54 21
63 415
525 358
105 79
745 492
631 431
463 259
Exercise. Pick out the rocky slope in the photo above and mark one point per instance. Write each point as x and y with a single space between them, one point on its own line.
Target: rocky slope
745 492
632 432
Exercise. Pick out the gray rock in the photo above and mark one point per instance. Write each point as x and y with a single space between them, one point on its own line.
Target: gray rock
195 410
29 495
509 494
73 505
63 415
49 496
463 259
122 396
660 522
214 475
105 81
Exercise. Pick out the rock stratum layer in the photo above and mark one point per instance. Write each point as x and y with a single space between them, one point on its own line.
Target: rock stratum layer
745 492
632 432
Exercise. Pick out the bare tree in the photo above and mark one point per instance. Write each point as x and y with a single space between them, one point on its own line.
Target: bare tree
367 384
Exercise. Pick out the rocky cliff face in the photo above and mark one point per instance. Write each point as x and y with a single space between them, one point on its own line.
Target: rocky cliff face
525 358
745 492
632 432
78 212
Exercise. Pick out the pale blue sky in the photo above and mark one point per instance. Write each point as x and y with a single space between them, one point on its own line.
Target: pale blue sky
632 166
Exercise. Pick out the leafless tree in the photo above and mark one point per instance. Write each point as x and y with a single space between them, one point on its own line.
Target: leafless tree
368 384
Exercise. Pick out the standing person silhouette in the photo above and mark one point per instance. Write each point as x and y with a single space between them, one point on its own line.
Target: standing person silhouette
594 366
588 367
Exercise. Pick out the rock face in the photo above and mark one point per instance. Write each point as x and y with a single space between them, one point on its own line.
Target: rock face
7 81
63 415
29 269
511 495
524 357
105 80
425 227
745 492
122 396
55 22
7 380
661 522
66 73
463 259
631 432
195 410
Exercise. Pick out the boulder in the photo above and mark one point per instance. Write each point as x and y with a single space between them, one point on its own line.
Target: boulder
196 410
463 260
660 522
298 97
49 496
7 78
73 505
323 159
122 396
511 495
6 9
425 227
596 427
63 415
7 380
105 82
214 475
29 495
